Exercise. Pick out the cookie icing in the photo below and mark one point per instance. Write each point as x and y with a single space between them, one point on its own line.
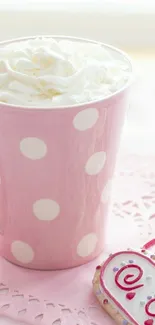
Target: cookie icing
127 278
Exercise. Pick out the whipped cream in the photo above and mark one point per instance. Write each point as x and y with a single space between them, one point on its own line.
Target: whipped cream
45 72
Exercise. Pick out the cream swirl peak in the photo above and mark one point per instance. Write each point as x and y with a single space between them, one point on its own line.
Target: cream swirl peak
45 72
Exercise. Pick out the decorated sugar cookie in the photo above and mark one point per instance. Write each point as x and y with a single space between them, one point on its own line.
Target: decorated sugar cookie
125 286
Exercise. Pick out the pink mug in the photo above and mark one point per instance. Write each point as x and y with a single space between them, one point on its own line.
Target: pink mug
56 168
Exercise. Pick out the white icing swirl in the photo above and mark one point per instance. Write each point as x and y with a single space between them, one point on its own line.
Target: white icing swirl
43 72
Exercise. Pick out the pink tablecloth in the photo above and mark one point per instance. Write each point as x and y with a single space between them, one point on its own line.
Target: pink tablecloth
65 297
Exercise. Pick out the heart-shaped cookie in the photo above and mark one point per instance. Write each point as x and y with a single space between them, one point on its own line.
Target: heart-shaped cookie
126 280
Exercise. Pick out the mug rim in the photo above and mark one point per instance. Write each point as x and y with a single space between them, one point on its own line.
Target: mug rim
76 105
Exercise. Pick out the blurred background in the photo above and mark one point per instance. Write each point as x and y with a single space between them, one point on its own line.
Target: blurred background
123 23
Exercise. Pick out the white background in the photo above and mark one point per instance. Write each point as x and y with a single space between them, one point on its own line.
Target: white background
124 23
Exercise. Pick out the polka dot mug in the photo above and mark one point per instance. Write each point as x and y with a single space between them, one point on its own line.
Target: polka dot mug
56 168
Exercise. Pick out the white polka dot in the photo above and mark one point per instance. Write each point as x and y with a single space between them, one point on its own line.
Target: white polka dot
87 245
22 252
85 119
46 209
95 163
33 148
106 191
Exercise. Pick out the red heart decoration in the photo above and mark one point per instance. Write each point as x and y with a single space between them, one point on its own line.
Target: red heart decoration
148 322
130 296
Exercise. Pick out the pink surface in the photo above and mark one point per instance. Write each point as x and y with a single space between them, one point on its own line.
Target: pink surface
70 291
53 215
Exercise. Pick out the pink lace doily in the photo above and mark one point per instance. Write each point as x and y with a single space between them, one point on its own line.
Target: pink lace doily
65 297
